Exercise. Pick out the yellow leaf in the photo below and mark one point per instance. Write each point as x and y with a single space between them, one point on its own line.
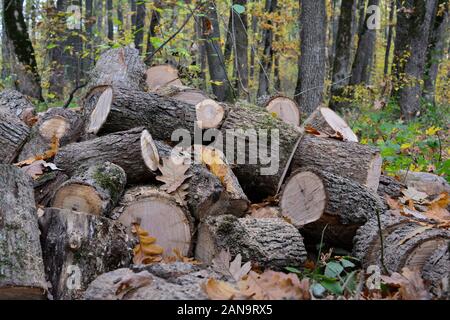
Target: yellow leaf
146 251
405 146
432 131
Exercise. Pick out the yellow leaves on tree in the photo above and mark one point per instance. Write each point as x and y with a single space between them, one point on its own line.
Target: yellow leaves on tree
146 252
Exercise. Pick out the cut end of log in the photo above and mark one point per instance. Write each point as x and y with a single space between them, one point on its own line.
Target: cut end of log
101 111
420 255
303 199
79 198
374 173
158 214
54 127
149 151
209 114
338 124
22 293
286 109
192 97
160 76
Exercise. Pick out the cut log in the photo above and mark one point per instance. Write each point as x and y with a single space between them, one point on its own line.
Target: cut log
15 103
162 76
21 266
437 270
313 199
407 243
160 215
121 148
182 93
175 281
429 183
131 108
327 121
271 243
64 124
95 190
46 185
13 134
78 248
390 186
283 107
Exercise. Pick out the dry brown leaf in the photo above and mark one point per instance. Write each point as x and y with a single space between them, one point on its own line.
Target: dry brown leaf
272 285
392 203
54 147
146 252
412 194
234 269
133 282
178 257
173 173
221 290
410 284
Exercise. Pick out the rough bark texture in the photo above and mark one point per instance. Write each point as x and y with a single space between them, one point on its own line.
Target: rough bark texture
22 269
140 22
390 186
390 33
95 190
46 185
175 281
341 214
239 31
413 26
64 124
437 270
79 247
121 148
362 66
13 134
312 61
15 103
406 242
271 243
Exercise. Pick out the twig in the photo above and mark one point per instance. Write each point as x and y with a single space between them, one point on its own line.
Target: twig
381 242
66 105
321 244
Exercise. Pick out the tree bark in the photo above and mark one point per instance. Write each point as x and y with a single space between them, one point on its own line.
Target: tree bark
46 185
265 69
413 26
15 103
22 269
13 134
268 243
78 247
140 24
110 22
389 37
312 60
154 22
239 31
437 269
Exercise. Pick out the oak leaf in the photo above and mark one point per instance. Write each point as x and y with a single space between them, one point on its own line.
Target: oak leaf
233 269
173 172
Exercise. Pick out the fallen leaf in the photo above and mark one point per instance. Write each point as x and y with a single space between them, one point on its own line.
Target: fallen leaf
410 284
413 194
392 203
54 147
173 172
178 257
35 169
133 282
221 290
221 263
146 252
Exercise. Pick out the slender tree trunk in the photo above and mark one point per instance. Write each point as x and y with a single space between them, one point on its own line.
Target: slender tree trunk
89 29
133 9
140 23
312 61
253 46
211 33
120 17
362 66
413 26
342 60
154 22
389 37
239 31
228 49
109 12
201 55
438 44
267 58
22 60
99 15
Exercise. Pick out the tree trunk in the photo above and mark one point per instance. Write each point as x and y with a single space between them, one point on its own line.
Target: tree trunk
211 33
13 134
313 199
265 69
154 22
268 243
413 26
22 268
110 21
406 242
22 61
437 47
95 190
239 31
64 124
99 14
78 247
312 60
140 24
389 37
342 60
362 66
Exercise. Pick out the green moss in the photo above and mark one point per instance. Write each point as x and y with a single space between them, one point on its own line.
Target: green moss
108 178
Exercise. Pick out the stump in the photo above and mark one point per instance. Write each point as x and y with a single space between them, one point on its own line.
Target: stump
64 124
327 121
78 248
95 190
21 266
15 103
269 243
13 134
407 243
160 215
312 199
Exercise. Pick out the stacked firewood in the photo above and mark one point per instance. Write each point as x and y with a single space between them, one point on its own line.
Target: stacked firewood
113 166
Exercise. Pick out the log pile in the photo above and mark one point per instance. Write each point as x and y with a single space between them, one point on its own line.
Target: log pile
117 165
